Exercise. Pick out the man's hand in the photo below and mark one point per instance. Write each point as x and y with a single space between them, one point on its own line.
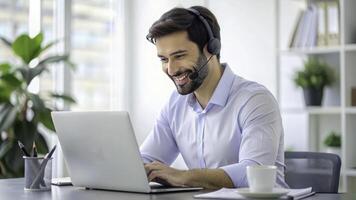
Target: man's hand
206 178
161 173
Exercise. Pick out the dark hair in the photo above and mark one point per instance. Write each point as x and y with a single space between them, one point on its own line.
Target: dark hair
180 19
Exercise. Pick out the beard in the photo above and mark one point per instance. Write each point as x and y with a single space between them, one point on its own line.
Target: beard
193 84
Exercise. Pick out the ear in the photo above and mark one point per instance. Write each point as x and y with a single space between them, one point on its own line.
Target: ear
205 51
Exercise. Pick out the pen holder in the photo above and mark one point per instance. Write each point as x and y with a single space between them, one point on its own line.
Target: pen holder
38 173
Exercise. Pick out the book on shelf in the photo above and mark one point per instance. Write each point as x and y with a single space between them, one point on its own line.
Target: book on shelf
312 31
297 26
353 96
333 33
322 28
317 25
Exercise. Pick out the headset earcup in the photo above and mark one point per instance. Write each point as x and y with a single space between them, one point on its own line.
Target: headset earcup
214 46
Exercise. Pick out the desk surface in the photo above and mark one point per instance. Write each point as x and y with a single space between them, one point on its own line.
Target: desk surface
13 189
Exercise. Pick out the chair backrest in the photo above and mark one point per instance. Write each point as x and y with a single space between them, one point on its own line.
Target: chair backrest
321 171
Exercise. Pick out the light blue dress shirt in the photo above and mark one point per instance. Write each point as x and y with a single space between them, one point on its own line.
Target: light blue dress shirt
240 126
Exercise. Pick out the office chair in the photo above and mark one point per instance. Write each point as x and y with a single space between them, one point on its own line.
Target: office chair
321 171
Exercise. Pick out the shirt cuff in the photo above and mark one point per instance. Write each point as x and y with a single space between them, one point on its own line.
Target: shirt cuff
237 172
146 158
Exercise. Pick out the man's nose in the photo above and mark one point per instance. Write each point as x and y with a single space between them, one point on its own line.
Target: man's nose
171 68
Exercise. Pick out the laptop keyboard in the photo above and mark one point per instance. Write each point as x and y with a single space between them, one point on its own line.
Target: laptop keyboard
156 186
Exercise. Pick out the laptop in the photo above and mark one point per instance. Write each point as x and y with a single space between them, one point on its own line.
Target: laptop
101 152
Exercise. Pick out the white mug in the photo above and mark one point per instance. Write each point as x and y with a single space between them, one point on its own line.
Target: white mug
261 178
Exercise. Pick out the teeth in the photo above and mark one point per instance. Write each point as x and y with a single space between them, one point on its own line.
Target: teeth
181 77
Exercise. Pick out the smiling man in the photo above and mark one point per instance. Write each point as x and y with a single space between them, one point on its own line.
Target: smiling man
219 122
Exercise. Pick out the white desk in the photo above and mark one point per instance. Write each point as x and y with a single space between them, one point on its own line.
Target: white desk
13 189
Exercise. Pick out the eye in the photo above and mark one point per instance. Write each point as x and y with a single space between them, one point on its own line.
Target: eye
179 56
163 60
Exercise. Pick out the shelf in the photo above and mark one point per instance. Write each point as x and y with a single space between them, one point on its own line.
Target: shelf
313 110
312 124
350 172
350 47
350 110
312 50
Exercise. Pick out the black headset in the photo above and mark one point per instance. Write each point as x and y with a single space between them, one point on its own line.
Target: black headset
214 44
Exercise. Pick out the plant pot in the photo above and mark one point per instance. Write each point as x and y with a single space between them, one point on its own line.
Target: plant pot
313 96
334 150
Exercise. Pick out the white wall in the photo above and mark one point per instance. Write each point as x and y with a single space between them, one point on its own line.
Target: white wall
248 38
149 86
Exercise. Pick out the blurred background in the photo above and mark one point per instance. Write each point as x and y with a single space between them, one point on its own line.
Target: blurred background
296 48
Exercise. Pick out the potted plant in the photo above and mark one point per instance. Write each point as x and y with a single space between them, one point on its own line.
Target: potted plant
333 143
22 112
313 78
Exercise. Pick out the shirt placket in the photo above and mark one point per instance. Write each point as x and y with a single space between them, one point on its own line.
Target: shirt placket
200 136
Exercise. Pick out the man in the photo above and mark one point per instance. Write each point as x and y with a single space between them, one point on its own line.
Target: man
219 122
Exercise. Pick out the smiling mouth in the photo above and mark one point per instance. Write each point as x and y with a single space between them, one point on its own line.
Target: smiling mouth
181 79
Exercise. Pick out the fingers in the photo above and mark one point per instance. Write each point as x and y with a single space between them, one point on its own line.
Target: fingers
156 172
153 175
160 173
159 177
162 181
155 165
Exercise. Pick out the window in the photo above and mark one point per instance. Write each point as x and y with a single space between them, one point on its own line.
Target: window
13 21
46 82
92 31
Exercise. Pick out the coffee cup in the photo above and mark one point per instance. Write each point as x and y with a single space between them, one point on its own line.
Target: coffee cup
261 178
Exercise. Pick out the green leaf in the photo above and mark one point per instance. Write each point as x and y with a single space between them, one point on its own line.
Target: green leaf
49 45
6 41
8 83
42 66
36 71
7 116
25 72
38 104
26 132
37 40
23 46
11 80
315 74
5 93
4 148
53 59
27 48
14 161
5 68
41 144
333 140
64 97
46 119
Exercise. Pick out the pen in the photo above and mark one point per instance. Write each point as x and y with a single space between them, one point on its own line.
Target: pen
42 167
34 150
22 147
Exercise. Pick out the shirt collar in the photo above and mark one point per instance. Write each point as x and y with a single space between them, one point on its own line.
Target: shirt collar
221 92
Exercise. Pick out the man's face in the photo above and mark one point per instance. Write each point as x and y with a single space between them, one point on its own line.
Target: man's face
179 56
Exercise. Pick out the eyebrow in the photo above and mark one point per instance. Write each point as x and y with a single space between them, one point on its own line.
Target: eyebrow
174 53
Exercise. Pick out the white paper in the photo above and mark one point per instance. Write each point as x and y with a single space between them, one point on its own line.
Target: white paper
231 193
299 192
224 193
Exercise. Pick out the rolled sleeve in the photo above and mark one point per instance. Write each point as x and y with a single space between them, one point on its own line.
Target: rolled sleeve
237 172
